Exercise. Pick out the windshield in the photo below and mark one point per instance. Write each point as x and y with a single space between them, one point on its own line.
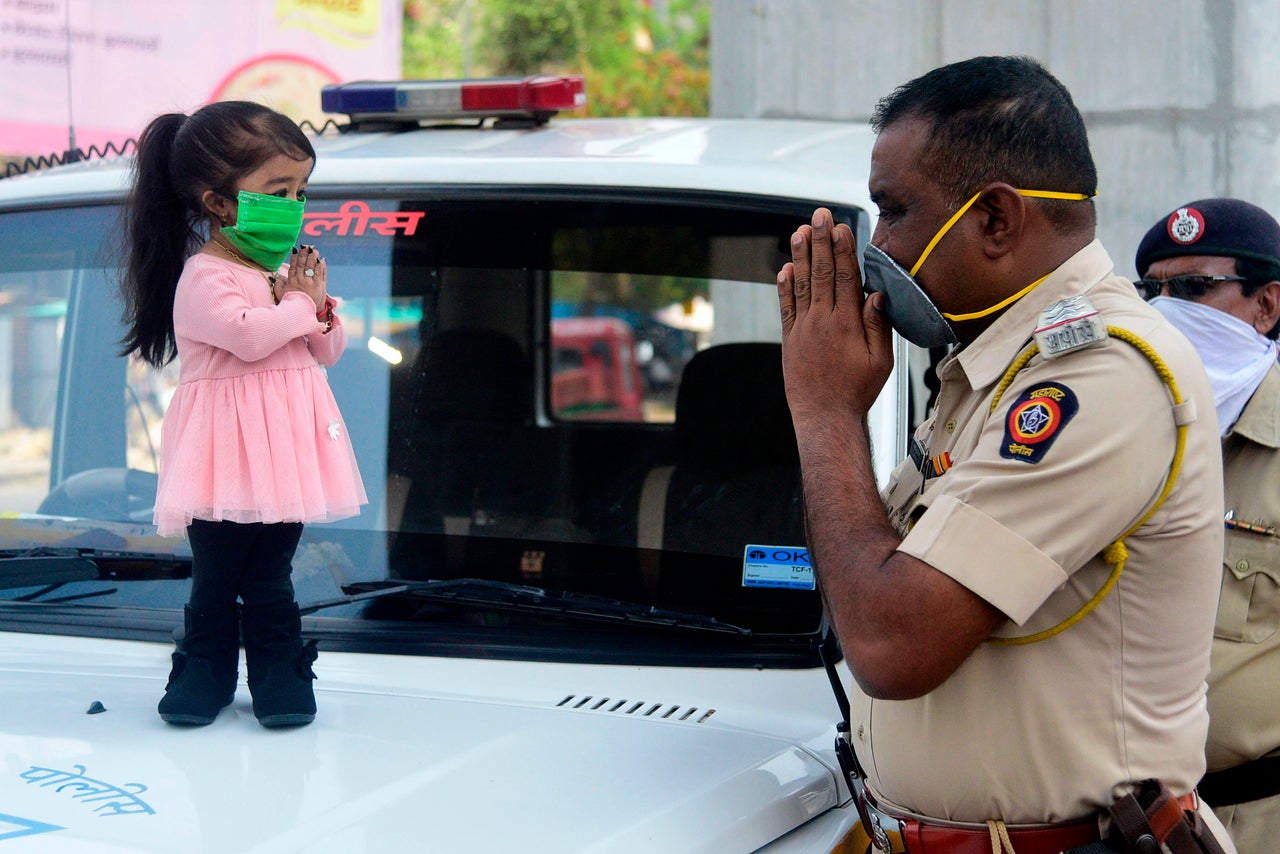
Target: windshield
577 393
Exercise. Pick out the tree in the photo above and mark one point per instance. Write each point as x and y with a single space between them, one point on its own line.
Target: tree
434 38
639 57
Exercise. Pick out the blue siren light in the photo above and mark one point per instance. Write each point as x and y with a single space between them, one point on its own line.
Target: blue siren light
537 97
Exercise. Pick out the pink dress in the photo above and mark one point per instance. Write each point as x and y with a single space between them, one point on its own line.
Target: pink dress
253 433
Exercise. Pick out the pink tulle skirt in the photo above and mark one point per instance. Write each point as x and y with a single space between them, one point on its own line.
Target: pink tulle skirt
262 447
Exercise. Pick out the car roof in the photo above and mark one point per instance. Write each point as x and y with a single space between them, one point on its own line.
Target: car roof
814 160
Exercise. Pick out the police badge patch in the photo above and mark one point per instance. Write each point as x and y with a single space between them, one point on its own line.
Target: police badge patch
1035 419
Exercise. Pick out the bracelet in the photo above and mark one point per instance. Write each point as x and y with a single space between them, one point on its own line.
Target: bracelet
327 314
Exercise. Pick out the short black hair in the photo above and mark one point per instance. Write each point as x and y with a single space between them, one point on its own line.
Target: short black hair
1256 274
999 118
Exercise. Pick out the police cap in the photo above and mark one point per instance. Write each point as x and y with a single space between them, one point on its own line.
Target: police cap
1217 227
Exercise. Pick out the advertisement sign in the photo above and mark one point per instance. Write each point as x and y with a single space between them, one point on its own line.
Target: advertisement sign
104 68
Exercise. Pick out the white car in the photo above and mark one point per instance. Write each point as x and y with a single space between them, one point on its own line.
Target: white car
578 614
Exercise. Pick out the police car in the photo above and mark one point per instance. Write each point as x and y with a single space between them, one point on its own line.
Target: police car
578 614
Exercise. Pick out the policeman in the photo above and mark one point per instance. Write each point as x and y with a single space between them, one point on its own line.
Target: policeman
1027 608
1213 269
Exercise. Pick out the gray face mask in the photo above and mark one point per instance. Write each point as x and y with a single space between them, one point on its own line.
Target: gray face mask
911 313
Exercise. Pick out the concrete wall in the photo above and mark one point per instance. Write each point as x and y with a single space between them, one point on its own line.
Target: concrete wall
1181 97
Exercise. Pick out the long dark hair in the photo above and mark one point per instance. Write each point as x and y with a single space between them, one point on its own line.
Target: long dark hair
178 159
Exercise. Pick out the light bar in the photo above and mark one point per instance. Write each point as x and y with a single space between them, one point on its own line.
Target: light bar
538 98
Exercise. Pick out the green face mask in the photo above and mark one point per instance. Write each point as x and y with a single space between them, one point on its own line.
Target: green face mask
266 228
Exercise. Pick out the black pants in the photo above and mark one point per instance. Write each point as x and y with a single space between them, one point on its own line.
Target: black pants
250 561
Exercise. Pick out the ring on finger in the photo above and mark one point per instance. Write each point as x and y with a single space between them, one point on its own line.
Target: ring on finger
309 273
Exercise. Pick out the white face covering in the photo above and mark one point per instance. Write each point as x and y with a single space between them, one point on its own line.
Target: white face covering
1235 355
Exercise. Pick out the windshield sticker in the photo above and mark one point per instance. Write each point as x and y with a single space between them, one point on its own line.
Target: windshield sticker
777 566
11 827
353 217
119 801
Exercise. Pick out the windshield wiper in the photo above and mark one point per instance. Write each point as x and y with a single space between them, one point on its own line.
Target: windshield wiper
498 595
51 567
35 570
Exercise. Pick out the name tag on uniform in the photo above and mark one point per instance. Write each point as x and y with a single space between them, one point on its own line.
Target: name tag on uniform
1069 325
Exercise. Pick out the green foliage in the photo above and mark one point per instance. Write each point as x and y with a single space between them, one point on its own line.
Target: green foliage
521 37
432 38
638 58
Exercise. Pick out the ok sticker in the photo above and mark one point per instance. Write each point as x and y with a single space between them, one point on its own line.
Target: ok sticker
1035 419
777 566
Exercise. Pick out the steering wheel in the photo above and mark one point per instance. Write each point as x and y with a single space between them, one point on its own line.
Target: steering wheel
107 494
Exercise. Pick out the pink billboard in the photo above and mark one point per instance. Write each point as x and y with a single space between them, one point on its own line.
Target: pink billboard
104 68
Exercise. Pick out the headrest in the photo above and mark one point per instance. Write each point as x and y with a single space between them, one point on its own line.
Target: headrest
731 408
475 375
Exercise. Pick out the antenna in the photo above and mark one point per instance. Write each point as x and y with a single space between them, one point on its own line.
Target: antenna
73 152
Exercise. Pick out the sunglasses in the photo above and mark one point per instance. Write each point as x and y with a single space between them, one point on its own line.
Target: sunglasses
1183 287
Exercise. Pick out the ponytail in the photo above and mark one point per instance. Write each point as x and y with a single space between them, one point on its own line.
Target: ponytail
178 159
159 233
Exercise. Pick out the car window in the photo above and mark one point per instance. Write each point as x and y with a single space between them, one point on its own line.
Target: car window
48 257
578 391
621 336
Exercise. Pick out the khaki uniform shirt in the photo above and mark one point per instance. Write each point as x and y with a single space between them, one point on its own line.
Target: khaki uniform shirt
1054 730
1244 684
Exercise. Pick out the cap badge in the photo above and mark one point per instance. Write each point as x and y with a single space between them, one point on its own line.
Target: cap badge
1186 225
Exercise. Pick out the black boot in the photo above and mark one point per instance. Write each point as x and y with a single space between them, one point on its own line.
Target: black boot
280 673
203 679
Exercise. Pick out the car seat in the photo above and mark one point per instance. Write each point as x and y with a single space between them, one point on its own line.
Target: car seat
736 477
471 396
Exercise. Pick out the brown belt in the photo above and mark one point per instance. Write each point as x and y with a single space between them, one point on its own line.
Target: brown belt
922 838
925 838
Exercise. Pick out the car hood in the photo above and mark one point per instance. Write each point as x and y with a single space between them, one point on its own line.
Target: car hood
406 754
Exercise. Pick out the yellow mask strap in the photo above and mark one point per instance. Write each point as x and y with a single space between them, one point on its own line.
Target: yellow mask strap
974 315
1054 194
942 232
1037 194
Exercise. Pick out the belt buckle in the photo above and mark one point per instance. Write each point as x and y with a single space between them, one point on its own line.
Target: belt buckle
881 828
885 830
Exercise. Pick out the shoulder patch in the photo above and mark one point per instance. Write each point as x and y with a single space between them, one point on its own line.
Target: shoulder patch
1035 419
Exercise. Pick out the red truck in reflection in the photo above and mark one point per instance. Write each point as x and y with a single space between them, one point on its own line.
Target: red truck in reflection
594 374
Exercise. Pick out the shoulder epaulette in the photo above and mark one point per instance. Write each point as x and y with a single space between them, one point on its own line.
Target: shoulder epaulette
1068 325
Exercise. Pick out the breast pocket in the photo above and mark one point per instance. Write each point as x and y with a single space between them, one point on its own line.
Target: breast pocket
1249 608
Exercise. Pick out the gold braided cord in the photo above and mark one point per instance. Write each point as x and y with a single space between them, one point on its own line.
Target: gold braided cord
1007 379
1000 841
1115 554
